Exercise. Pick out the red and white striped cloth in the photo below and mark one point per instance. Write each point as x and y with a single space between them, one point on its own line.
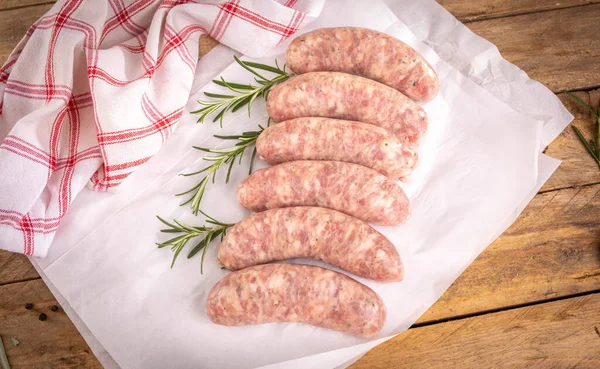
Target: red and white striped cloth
96 87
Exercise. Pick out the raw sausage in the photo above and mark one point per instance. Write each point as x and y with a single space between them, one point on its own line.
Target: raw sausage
349 97
340 140
366 53
350 188
310 232
296 293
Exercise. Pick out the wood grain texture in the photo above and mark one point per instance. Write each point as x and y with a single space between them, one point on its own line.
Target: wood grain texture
53 343
552 250
15 267
578 167
14 24
11 4
559 48
556 335
468 11
207 43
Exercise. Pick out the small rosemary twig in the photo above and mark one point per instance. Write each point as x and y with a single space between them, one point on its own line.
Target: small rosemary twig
209 233
3 358
225 156
593 146
245 94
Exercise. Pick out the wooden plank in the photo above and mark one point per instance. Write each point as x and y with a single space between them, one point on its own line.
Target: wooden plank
468 10
207 43
11 4
15 267
578 167
552 250
559 48
53 343
560 334
14 24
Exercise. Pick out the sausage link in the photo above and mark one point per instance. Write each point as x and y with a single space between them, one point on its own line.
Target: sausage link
339 140
350 188
366 53
298 294
310 232
349 97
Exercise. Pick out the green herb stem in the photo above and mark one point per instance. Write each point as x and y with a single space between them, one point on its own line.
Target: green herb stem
245 94
593 145
3 358
224 157
214 230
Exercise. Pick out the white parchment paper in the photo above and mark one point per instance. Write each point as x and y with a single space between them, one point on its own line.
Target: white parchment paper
480 164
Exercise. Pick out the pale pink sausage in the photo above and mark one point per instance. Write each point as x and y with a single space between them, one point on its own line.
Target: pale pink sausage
349 97
339 140
298 294
350 188
366 53
310 232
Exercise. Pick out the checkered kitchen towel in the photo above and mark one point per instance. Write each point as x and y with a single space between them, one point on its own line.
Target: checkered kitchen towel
96 87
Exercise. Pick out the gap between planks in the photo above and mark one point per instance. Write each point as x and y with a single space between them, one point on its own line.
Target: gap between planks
27 5
20 281
476 18
504 308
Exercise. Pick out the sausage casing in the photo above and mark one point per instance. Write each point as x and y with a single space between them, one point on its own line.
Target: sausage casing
340 140
349 97
310 232
366 53
296 293
350 188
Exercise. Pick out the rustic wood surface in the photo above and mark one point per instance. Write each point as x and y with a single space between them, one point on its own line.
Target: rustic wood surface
468 11
555 335
503 307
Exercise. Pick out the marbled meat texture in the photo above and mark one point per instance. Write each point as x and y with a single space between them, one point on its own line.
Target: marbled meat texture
311 232
366 53
349 97
299 294
350 188
339 140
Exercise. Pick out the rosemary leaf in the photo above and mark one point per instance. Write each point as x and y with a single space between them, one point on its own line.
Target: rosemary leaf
238 86
209 217
249 69
218 96
197 248
165 222
3 358
207 233
598 130
202 258
594 113
225 156
252 160
177 252
246 93
229 169
586 144
265 67
241 103
595 148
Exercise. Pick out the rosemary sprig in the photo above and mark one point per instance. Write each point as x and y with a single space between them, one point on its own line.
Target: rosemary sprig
3 359
245 94
593 146
178 243
226 156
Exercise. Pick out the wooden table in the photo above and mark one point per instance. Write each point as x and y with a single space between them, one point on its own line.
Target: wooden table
532 299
